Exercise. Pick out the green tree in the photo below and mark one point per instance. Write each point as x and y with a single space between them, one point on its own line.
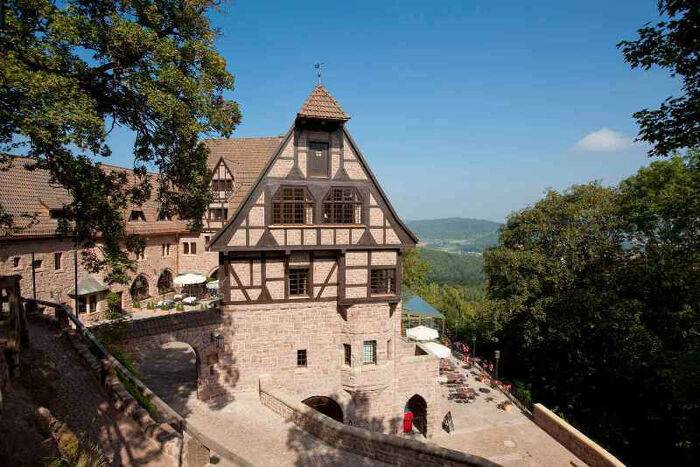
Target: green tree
595 297
415 270
72 71
672 44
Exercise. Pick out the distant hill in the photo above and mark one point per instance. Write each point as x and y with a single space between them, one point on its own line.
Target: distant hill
453 269
456 234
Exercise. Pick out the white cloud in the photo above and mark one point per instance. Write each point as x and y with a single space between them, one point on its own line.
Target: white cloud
604 140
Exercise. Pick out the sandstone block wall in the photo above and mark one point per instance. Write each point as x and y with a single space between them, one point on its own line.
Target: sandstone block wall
573 440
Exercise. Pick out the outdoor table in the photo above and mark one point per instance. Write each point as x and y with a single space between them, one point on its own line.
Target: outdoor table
189 300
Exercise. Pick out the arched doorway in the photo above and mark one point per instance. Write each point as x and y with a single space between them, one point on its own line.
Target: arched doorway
171 371
139 288
419 408
165 282
326 406
213 275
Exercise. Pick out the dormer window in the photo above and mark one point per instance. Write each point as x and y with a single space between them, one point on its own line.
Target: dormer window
218 214
318 160
292 205
342 206
162 216
57 213
137 216
222 185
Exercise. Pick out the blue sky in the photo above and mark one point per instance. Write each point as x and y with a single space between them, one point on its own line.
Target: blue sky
467 108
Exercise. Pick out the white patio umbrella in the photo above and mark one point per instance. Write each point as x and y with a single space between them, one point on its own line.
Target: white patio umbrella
439 350
189 278
422 333
213 285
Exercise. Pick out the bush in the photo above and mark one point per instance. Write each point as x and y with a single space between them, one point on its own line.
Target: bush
179 307
114 306
136 304
149 306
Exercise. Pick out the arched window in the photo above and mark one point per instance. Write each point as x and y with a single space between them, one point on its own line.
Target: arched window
342 206
139 288
165 282
292 205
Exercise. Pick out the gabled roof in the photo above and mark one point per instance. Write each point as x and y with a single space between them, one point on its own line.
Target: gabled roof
321 105
245 157
88 286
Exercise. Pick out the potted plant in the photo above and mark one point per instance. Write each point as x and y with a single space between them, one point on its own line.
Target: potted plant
136 305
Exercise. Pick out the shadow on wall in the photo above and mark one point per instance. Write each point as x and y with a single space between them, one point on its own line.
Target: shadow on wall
309 450
172 372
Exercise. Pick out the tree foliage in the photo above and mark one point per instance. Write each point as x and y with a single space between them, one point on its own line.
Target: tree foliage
673 44
72 71
596 295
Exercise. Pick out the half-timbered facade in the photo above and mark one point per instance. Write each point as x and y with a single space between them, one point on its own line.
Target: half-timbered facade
310 267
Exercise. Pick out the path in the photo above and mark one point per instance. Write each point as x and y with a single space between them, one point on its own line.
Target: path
74 396
244 425
507 438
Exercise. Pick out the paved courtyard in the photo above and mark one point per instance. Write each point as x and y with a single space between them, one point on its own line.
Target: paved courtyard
508 438
263 438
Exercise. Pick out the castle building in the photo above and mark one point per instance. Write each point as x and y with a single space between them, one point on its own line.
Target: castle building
307 249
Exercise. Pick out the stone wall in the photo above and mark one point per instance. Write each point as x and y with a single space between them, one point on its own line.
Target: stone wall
55 285
386 448
573 440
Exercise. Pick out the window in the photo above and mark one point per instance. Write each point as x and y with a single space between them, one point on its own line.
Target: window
370 352
57 213
342 206
347 350
165 282
383 281
137 216
38 263
317 160
15 262
218 214
206 242
57 261
165 249
292 205
189 248
301 357
299 281
164 216
221 185
388 349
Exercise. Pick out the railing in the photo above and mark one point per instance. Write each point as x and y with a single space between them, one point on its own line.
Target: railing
203 443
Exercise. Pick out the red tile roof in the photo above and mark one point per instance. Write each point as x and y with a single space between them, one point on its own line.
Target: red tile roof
29 191
321 105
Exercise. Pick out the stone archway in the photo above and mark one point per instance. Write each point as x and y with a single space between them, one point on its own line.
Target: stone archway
326 406
171 370
140 288
165 282
213 274
417 405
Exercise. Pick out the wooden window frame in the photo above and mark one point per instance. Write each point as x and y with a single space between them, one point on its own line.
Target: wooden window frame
58 260
390 288
298 205
307 270
334 205
327 173
223 214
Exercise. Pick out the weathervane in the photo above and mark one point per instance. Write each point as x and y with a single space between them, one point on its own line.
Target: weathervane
318 67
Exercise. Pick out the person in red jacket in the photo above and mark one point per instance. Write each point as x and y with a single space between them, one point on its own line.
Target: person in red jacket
407 421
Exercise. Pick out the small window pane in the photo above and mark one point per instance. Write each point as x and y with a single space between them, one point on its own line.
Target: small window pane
383 281
301 357
57 261
370 352
299 281
347 350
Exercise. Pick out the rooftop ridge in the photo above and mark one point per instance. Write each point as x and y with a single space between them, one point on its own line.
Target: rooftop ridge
321 105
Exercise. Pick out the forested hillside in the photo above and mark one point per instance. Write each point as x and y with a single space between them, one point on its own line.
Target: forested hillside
453 269
456 234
